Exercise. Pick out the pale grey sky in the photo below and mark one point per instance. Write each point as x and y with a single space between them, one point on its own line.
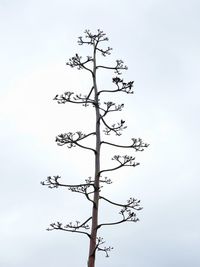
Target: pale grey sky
159 41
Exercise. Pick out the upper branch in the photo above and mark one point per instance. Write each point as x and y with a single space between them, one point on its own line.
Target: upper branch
92 39
106 180
72 139
77 99
111 107
104 52
123 162
77 62
119 66
116 128
137 144
121 86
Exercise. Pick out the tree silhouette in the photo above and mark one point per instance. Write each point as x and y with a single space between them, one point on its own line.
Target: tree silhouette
91 187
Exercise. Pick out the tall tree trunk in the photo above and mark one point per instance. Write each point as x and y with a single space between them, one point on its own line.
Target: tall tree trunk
93 238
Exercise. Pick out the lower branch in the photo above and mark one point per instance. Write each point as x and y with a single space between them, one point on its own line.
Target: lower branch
71 227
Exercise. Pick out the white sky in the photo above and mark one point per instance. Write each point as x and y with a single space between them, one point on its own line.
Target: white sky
159 41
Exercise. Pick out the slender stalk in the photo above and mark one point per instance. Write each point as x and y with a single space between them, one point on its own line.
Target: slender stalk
93 235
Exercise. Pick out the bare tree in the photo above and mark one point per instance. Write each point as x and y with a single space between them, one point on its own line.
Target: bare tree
91 187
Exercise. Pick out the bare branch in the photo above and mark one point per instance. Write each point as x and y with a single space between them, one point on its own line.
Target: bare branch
85 99
119 66
137 144
72 139
52 182
98 247
92 39
105 180
121 86
76 62
67 97
105 52
71 227
111 107
131 203
127 216
124 161
83 189
116 128
88 96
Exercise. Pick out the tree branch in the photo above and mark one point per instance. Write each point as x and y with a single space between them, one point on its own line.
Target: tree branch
119 66
131 203
127 216
104 249
71 227
106 180
117 129
76 62
121 86
137 144
111 107
67 97
105 52
72 139
92 39
88 96
52 182
127 161
83 190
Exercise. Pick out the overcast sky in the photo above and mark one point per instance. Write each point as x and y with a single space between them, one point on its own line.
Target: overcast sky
159 41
